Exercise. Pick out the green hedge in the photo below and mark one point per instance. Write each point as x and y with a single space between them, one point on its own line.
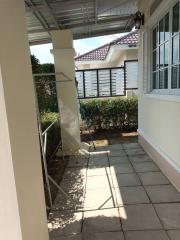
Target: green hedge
53 137
117 113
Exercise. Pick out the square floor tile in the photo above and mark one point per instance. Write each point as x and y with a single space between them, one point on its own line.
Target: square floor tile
163 193
121 168
72 185
145 167
98 162
146 235
64 223
70 237
98 199
117 160
75 173
131 195
106 220
169 214
120 153
140 158
74 201
139 217
174 234
97 171
153 178
125 180
131 145
98 182
132 152
104 236
115 147
77 162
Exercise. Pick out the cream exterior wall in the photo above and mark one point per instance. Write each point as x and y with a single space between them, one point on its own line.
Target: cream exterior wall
159 116
130 54
22 204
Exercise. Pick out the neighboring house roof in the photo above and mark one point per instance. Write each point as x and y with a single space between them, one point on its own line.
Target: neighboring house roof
100 53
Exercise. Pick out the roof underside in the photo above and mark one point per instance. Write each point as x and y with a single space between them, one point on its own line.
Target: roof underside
86 18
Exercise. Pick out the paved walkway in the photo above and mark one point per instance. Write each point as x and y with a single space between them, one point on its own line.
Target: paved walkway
121 197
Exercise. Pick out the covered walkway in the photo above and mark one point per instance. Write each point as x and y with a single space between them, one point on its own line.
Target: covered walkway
123 196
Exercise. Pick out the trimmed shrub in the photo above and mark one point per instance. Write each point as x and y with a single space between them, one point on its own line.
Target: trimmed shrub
117 113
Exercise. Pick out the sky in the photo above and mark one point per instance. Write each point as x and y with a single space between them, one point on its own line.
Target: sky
42 52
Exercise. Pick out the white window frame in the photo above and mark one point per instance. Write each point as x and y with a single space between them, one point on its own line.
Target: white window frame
154 20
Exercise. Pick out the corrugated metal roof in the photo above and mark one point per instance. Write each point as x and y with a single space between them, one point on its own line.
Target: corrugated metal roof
86 18
101 52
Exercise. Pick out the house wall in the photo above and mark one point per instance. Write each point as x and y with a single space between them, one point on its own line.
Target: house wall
159 115
130 54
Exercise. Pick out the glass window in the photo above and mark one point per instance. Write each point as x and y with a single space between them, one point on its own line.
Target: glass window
160 53
166 51
175 22
161 31
174 77
166 27
175 49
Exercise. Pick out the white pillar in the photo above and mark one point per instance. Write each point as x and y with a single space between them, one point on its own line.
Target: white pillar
67 94
22 205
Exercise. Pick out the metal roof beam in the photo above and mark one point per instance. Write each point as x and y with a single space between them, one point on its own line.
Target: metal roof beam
101 33
99 21
83 35
58 26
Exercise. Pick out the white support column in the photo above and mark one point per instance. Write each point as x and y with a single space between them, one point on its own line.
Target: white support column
22 205
67 94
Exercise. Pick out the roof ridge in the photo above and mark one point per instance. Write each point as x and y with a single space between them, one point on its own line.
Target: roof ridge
107 44
84 54
125 36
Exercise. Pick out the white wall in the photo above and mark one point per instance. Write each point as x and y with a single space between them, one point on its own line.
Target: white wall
118 61
159 116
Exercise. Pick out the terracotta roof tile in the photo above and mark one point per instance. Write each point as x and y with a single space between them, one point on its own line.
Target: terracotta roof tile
101 52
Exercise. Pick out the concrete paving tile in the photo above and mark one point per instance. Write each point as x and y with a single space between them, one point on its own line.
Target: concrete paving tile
121 168
98 171
105 220
145 167
74 184
98 162
70 237
174 234
132 152
146 235
140 158
131 146
139 217
125 180
130 195
169 214
77 162
104 236
163 193
115 147
153 178
76 172
120 153
117 160
64 223
97 182
98 199
74 201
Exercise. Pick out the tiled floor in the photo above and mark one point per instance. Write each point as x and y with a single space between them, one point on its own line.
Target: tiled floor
123 196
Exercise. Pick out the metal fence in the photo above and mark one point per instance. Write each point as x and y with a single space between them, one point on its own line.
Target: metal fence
107 82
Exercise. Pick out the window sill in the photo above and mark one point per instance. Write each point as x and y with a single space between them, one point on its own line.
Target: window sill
169 98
